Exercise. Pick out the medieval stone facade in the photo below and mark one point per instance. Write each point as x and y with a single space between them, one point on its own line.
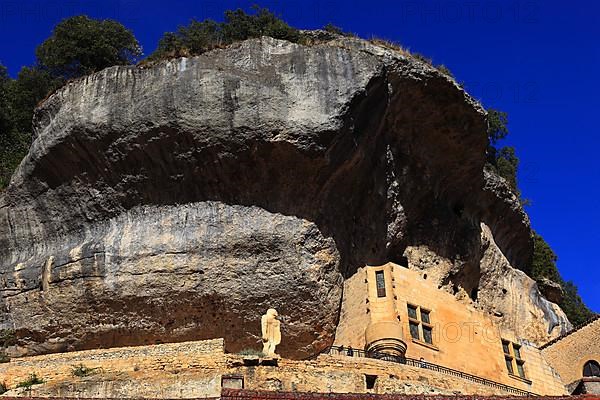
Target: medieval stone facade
439 329
398 333
576 357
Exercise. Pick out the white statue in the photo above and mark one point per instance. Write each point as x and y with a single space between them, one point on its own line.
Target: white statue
271 332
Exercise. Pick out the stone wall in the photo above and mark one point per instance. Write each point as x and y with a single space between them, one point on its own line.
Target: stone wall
261 395
175 370
464 338
568 354
341 374
196 369
233 394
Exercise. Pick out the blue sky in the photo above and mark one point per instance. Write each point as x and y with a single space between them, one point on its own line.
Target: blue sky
537 60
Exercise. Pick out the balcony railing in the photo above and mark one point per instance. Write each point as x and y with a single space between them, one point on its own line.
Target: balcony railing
350 352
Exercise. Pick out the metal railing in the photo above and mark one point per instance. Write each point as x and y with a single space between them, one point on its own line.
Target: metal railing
350 352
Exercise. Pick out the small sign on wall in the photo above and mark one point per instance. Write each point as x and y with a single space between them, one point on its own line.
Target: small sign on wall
232 381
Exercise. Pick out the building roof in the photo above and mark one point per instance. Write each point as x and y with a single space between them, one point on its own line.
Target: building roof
242 394
575 329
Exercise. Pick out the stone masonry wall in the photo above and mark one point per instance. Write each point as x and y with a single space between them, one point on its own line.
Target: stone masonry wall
174 370
195 369
229 394
568 355
463 338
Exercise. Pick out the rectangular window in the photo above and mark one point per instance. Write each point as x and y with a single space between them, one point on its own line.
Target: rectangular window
370 381
509 365
512 357
412 311
517 350
414 330
380 282
419 322
427 334
521 369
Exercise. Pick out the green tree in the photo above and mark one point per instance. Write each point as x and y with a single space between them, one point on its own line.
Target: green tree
80 45
21 96
239 25
497 125
6 128
31 86
507 165
543 265
573 305
5 123
201 36
503 160
196 38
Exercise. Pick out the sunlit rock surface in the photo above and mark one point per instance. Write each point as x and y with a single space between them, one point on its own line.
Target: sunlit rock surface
181 200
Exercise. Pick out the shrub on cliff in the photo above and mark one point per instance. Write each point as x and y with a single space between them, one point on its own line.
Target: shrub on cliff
544 266
573 305
239 25
7 338
331 28
81 370
33 379
502 160
201 36
497 125
507 164
251 352
80 45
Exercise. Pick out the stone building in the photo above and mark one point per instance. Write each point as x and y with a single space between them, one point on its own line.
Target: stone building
398 334
402 310
576 357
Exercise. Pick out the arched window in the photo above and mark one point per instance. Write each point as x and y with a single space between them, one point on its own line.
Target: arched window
591 368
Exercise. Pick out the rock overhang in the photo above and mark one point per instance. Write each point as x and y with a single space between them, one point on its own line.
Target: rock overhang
357 139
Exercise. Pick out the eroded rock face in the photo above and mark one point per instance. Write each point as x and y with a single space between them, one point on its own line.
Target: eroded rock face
515 299
551 290
158 274
182 200
484 277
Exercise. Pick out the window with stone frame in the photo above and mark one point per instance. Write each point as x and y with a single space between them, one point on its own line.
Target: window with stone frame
419 323
513 359
380 283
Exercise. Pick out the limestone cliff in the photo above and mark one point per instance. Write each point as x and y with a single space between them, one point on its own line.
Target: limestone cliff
181 200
